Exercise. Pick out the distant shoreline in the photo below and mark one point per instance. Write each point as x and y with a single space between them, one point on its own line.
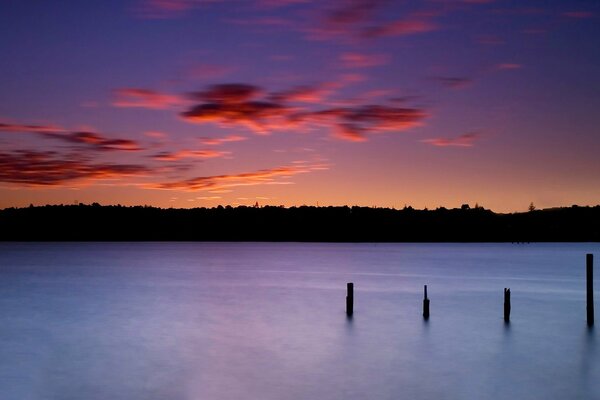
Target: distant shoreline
297 224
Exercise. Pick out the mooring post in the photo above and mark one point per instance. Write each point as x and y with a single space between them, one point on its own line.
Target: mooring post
425 303
590 288
350 298
506 305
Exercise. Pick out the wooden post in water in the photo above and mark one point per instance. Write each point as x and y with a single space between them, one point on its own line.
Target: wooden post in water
506 305
425 303
590 288
350 299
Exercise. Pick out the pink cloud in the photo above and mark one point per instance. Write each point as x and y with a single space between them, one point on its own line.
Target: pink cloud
465 140
357 60
402 27
93 140
219 141
357 19
351 12
209 71
356 123
509 66
262 21
156 134
241 104
454 82
305 94
145 98
579 14
161 9
18 128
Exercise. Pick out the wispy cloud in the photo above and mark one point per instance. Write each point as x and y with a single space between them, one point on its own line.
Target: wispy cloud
178 155
209 71
359 60
579 14
359 19
156 134
160 9
454 82
217 183
220 141
17 128
506 66
305 94
145 98
402 27
465 140
93 140
48 168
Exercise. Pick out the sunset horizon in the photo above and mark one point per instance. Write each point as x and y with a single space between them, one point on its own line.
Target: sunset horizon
185 103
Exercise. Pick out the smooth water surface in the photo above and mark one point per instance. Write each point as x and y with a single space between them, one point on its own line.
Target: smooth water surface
261 321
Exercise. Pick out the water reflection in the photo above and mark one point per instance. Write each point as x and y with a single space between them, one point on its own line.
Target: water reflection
228 321
589 359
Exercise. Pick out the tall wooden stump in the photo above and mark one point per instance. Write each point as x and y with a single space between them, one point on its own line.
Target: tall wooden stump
590 288
350 299
425 303
506 305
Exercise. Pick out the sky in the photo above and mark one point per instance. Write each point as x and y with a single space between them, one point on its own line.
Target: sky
387 103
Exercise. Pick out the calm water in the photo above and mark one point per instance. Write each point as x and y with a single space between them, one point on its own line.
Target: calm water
179 321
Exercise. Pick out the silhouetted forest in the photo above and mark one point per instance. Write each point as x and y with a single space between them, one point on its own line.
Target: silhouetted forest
320 224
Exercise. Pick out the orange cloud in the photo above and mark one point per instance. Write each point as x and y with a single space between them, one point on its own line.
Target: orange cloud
465 140
218 183
219 141
144 98
156 134
178 155
305 94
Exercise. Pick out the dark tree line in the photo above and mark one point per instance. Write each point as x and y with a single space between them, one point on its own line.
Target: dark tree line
347 224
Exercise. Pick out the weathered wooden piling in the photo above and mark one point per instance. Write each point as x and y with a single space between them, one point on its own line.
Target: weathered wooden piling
425 303
590 288
506 305
350 299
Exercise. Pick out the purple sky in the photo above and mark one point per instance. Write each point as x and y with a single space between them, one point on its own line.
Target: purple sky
188 103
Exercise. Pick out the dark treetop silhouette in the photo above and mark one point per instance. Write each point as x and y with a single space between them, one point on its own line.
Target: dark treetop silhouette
347 224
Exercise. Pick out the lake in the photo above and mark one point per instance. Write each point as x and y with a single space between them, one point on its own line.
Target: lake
188 321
